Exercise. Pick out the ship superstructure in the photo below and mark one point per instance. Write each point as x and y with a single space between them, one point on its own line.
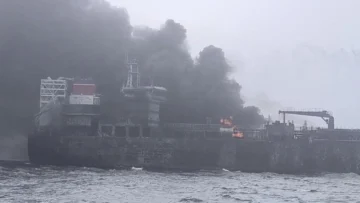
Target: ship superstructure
68 104
142 107
143 102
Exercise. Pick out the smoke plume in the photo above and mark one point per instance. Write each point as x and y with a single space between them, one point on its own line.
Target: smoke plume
90 38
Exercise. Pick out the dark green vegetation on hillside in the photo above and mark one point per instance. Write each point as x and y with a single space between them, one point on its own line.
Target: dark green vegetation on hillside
89 38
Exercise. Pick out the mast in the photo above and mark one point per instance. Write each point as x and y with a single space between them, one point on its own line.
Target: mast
133 78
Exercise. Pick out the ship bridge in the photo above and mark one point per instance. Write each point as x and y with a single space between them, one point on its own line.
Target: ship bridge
143 102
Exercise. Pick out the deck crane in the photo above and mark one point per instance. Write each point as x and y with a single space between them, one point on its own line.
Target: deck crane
325 115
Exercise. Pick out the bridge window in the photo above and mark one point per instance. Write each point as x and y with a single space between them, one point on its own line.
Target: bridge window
120 131
107 129
167 132
134 131
146 132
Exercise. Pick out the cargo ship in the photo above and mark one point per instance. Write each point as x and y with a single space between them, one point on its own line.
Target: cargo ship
71 131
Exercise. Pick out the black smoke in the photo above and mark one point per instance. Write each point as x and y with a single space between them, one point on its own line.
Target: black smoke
90 38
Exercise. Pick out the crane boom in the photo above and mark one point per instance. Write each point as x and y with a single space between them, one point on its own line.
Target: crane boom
325 115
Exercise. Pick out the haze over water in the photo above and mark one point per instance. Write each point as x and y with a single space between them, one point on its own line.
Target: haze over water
27 183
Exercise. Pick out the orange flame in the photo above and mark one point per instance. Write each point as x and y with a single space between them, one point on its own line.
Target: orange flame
226 122
237 133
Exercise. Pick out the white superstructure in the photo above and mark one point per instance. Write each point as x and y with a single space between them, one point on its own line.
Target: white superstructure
51 89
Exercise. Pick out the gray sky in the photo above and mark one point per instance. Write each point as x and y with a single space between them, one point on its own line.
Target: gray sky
289 53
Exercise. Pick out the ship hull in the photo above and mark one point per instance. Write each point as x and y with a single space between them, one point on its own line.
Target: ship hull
197 153
124 152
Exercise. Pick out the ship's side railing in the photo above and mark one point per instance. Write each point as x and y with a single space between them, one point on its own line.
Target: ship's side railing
336 135
176 130
213 130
